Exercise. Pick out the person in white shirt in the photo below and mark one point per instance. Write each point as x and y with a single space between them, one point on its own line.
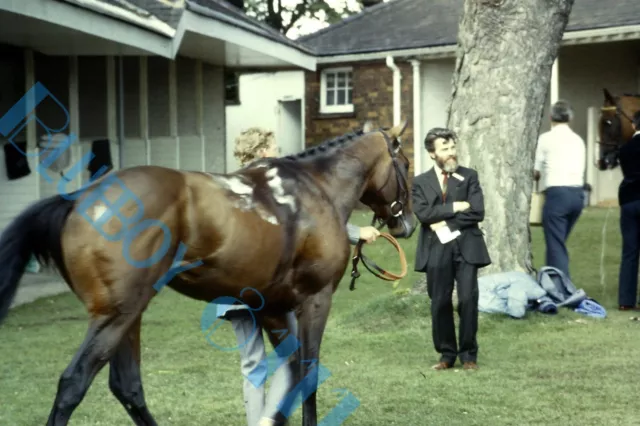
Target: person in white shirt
559 170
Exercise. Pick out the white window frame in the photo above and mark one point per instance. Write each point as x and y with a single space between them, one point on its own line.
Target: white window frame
332 109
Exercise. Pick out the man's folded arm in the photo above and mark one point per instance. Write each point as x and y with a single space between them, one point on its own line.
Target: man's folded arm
474 214
426 213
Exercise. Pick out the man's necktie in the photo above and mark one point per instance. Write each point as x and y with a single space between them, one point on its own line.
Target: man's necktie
445 180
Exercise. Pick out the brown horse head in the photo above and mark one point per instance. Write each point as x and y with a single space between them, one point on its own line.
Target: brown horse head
386 191
367 166
615 126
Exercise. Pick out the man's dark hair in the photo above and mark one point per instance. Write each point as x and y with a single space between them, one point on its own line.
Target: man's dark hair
636 120
436 133
561 112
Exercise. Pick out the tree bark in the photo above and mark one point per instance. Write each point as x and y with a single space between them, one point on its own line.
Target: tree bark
506 49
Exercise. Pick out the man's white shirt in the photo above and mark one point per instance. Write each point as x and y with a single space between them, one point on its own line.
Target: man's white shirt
560 158
440 175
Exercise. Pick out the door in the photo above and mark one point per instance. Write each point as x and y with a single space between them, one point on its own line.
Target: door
290 137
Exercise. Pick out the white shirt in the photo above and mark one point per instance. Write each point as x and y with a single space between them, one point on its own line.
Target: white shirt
560 158
440 176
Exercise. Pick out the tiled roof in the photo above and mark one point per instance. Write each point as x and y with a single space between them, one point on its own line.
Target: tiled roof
407 24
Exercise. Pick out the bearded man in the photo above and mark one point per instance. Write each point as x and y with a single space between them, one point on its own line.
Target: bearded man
448 201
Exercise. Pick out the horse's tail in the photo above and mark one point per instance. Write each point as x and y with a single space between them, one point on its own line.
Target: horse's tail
36 231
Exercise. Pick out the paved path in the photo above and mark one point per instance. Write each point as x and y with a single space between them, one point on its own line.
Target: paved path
36 286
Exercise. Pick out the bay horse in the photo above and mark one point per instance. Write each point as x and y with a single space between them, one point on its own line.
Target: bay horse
615 127
277 226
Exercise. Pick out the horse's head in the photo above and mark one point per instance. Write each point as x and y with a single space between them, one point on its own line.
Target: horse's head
615 127
387 191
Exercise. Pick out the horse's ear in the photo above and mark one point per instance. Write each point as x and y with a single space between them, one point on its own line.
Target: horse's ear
398 130
608 97
368 126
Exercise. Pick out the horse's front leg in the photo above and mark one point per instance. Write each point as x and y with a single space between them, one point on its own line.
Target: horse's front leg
311 324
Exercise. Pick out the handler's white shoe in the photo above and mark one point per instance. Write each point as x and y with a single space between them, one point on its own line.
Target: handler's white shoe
266 421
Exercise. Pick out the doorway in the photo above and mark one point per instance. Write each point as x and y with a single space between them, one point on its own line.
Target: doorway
290 136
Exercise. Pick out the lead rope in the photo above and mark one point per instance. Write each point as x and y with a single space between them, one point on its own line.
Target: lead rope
356 257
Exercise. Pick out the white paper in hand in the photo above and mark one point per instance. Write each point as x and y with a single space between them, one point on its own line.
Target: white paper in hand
445 235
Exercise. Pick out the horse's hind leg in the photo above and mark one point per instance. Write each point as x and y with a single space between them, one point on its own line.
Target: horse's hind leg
312 322
124 377
102 339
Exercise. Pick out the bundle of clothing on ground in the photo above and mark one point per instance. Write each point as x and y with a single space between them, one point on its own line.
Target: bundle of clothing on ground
514 293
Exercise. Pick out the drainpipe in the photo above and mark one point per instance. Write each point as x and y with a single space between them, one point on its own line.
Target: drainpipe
121 112
396 90
417 118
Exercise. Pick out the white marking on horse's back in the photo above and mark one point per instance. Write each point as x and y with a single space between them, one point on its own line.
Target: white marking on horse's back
271 173
267 216
98 211
275 183
245 193
237 186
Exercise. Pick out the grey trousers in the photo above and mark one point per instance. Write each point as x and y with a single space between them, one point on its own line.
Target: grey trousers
252 353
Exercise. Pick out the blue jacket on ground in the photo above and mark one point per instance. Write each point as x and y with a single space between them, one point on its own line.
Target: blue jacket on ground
508 293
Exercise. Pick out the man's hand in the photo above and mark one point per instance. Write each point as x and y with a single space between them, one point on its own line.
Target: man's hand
369 234
438 225
460 206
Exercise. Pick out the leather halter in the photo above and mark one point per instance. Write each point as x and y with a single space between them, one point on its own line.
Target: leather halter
619 112
357 251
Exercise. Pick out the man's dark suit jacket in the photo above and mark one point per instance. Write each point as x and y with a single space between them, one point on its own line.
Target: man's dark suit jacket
629 189
428 207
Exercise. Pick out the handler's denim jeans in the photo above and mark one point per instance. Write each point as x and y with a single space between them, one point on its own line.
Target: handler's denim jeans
562 208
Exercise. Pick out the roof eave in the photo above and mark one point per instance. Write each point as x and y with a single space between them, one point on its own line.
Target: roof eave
428 52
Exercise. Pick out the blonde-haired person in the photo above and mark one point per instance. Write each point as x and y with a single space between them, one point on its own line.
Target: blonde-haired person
251 145
255 143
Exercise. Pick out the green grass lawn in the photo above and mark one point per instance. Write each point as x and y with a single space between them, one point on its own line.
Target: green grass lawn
565 369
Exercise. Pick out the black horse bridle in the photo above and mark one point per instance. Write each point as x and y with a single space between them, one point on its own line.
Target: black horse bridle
402 192
619 113
611 158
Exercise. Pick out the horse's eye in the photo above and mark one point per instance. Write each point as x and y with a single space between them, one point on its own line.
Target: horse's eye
608 122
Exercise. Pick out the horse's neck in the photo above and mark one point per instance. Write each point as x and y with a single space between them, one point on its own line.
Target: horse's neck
345 179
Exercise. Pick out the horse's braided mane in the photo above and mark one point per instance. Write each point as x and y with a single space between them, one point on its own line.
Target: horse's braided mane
329 145
326 146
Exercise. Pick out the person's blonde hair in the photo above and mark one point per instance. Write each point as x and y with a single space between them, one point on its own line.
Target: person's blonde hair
250 142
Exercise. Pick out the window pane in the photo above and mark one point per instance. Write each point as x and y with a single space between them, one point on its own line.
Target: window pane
330 97
349 79
349 99
331 80
341 97
342 79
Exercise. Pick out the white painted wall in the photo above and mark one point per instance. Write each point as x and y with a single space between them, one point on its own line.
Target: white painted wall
260 96
435 77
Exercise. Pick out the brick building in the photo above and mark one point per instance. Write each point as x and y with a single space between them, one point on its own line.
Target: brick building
369 85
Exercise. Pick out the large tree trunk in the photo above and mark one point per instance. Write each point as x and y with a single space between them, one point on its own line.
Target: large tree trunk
506 49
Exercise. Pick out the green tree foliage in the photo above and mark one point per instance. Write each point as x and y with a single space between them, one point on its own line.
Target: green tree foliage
284 18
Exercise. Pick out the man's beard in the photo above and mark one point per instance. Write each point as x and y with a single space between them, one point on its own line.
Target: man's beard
449 165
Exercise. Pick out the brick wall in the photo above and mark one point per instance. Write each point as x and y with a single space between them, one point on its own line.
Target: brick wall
372 100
